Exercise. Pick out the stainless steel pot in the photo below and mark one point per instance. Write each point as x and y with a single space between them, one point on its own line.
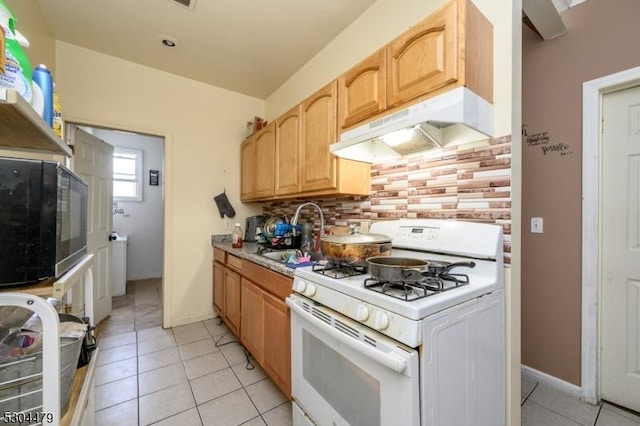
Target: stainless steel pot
354 248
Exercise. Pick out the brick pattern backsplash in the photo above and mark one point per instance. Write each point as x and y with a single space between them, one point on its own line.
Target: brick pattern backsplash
470 182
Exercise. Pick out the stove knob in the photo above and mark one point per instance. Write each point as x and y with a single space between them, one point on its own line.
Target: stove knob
381 321
310 290
299 286
362 313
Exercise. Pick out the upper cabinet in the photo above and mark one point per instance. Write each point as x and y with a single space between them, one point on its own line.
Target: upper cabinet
322 172
265 154
362 90
301 164
451 47
257 155
318 121
424 58
288 143
23 129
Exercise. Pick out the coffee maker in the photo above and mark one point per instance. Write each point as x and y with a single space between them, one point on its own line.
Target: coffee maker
254 224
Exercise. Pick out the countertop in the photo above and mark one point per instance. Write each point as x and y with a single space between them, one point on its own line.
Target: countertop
248 251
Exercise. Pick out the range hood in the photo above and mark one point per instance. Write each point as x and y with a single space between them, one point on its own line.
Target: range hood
455 117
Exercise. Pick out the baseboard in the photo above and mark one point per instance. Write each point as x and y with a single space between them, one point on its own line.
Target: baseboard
144 278
191 319
552 382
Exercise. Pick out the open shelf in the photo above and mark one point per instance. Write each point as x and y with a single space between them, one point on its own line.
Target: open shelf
81 403
22 128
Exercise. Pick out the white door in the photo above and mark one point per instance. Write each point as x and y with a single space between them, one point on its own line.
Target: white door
93 160
620 315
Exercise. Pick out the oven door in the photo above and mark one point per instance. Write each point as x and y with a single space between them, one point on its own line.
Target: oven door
344 373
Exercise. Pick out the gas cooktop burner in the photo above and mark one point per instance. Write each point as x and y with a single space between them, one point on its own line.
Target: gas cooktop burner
408 291
338 270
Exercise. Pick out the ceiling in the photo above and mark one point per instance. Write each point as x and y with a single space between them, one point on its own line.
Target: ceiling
247 46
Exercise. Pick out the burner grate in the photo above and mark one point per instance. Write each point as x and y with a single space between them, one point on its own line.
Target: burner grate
408 291
338 270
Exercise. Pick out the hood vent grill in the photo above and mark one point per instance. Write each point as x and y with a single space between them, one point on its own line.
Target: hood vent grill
189 4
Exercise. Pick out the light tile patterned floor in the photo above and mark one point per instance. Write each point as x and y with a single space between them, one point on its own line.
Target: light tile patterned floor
544 406
196 374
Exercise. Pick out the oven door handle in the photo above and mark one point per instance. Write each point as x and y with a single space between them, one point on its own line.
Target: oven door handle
392 361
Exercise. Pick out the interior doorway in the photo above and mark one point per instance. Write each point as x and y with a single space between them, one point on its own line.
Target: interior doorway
597 187
137 210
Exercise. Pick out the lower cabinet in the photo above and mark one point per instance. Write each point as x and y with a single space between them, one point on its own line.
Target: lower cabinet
277 346
218 288
251 301
252 329
265 332
232 300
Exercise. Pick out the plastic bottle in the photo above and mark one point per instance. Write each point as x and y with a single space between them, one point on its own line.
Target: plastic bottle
17 73
43 93
57 113
236 236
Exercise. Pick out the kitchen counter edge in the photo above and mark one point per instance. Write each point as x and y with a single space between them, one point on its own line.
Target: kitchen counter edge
248 252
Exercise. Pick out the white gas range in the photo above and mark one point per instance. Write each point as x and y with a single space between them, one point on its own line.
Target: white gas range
433 356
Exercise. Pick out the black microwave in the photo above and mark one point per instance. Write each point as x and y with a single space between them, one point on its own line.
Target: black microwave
43 220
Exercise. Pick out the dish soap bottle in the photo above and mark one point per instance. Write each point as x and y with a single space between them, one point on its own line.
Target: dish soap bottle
236 236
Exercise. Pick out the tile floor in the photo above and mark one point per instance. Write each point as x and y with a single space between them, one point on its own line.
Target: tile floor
147 375
196 374
544 406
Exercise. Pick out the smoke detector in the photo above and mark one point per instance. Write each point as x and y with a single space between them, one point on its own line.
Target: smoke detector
189 4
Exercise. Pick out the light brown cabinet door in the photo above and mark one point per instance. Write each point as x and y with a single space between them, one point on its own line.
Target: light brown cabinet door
424 58
232 300
318 132
362 90
252 326
277 343
247 168
288 135
218 288
264 162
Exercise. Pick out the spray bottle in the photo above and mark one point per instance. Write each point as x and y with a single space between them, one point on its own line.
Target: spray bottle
17 69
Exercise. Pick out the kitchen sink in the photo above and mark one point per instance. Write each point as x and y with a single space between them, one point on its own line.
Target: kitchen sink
281 255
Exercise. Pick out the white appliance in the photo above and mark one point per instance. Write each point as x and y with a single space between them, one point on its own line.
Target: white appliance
427 355
455 117
119 265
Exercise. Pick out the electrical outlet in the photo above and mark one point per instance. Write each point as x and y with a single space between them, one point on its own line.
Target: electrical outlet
536 225
227 225
364 226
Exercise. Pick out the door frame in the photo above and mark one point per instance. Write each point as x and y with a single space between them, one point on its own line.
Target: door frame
592 94
167 197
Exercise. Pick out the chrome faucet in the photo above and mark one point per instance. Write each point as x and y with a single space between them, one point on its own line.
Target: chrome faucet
294 222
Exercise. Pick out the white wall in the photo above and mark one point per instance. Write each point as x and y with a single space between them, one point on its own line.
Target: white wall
141 220
202 126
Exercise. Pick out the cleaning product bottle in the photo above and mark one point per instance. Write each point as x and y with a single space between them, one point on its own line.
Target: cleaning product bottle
3 56
57 113
17 69
43 93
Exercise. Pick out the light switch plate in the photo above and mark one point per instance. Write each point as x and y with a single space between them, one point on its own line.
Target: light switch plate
536 225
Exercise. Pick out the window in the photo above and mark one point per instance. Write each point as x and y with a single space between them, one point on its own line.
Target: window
127 174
